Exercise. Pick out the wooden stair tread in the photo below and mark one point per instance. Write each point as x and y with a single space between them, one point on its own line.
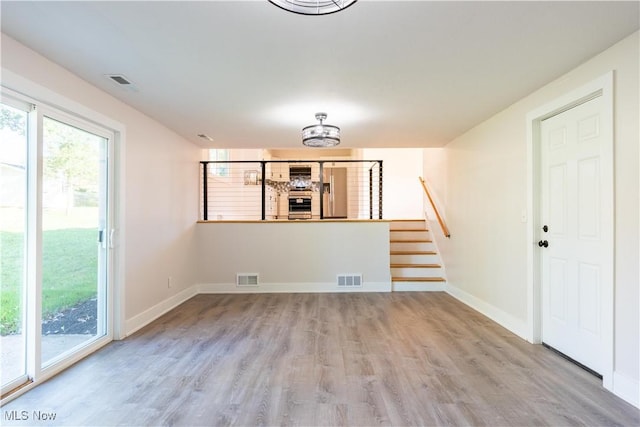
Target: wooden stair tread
411 241
408 220
413 230
418 279
415 265
413 253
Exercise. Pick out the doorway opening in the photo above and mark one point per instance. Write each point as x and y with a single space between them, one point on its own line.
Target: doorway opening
560 190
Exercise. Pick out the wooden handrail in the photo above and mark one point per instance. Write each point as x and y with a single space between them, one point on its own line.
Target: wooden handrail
443 226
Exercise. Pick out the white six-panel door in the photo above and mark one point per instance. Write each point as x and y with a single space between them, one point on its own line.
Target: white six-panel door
575 207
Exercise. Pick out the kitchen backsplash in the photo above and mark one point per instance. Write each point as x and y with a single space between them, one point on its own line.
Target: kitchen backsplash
285 186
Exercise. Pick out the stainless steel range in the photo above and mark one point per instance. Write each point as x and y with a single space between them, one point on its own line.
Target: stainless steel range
300 204
300 192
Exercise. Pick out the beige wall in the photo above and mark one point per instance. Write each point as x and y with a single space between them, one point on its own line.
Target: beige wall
435 176
485 193
293 256
159 201
401 193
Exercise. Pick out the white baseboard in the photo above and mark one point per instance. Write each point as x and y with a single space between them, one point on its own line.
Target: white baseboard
143 319
419 287
267 288
506 320
626 388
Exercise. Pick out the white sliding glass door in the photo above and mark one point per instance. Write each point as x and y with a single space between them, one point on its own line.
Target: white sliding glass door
55 228
74 224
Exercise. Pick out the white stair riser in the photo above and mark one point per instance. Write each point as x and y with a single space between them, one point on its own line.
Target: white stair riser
410 235
416 272
418 287
415 259
403 225
406 246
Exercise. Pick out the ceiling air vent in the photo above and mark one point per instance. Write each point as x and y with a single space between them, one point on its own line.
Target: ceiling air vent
246 279
350 280
119 78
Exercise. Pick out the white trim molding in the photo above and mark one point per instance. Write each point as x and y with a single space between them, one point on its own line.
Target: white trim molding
141 320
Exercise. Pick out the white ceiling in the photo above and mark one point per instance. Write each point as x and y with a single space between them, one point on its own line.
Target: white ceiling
389 73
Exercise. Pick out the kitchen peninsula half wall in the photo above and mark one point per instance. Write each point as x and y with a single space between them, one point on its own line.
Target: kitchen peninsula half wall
293 256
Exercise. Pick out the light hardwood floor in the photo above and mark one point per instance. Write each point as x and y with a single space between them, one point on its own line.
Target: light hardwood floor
325 359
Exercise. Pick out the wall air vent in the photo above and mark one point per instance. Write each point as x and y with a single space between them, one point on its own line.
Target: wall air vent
247 279
349 280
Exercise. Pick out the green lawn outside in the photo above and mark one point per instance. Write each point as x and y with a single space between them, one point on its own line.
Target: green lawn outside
69 270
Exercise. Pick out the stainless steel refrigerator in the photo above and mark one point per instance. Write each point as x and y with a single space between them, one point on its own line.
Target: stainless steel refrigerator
334 197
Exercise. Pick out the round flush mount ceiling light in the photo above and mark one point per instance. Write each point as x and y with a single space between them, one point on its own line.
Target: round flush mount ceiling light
321 135
313 7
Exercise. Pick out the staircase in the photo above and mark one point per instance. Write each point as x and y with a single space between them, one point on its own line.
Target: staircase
415 262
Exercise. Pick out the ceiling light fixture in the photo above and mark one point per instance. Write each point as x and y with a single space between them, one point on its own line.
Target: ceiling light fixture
321 135
313 7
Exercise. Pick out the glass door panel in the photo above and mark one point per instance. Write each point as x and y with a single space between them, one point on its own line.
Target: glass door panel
13 226
74 240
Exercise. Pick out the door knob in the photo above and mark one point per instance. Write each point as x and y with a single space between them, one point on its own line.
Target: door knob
543 244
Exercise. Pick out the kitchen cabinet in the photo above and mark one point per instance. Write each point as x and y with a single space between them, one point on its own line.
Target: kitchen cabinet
268 171
315 171
283 205
284 172
315 205
278 171
271 203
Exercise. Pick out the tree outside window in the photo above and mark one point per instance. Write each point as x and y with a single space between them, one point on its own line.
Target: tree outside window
219 169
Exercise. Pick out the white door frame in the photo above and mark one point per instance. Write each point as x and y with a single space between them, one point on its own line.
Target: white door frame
602 86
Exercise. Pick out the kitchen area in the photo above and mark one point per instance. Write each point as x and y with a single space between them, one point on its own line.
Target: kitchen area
275 189
307 194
